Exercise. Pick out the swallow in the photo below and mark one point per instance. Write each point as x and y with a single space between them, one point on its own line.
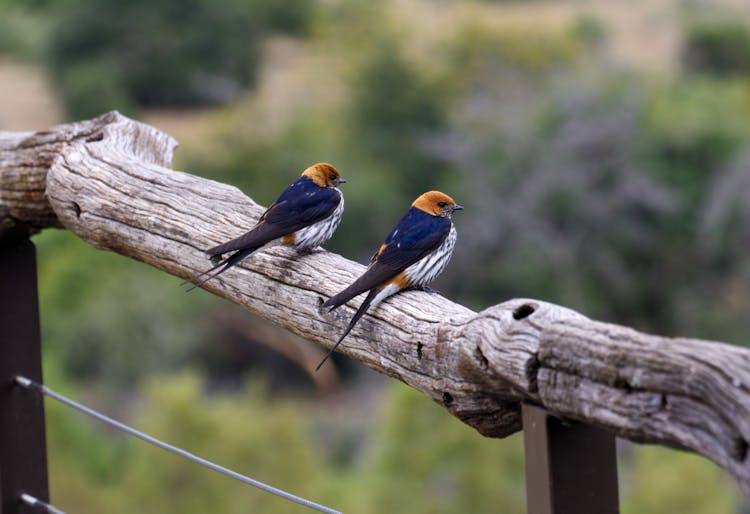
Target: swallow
413 254
304 217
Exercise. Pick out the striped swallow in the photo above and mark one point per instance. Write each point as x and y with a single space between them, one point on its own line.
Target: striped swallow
413 254
304 217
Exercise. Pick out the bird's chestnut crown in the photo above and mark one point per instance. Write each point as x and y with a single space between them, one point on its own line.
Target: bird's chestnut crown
324 175
436 204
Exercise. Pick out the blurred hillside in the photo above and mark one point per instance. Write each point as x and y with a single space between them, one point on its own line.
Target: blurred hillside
600 149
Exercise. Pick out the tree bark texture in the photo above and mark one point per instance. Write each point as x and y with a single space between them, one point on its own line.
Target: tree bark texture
109 181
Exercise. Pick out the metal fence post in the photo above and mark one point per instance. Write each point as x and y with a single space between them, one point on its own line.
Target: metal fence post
23 453
571 467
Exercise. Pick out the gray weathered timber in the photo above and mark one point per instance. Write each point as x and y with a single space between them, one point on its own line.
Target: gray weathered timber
678 392
108 180
26 157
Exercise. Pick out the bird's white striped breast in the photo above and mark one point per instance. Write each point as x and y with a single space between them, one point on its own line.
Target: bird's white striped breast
425 270
320 232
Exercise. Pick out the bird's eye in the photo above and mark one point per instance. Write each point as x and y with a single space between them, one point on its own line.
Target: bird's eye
331 177
442 204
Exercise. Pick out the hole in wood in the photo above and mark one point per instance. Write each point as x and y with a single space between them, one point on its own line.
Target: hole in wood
419 350
740 449
447 399
524 311
77 209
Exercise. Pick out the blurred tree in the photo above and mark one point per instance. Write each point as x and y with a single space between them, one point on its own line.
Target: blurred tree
654 483
423 461
416 458
25 28
163 53
719 46
286 16
112 319
93 471
393 111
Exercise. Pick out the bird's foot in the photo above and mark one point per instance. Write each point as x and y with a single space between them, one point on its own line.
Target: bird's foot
426 289
309 251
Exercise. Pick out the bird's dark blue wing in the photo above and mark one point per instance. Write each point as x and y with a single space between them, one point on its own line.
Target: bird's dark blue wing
416 236
301 204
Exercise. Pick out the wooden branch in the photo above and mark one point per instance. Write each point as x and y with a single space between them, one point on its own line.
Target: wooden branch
108 180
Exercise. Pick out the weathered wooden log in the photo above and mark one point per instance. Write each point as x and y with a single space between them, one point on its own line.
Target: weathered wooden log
108 181
26 157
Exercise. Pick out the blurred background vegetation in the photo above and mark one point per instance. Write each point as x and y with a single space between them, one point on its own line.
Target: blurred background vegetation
601 150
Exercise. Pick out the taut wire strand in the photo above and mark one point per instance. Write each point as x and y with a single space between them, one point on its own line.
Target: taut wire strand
36 502
30 384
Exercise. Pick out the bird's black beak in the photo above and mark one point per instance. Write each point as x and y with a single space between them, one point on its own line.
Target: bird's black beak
458 208
342 181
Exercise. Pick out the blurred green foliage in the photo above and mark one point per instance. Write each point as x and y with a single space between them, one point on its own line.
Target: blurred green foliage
607 189
104 472
418 459
22 33
126 306
393 111
719 46
655 481
106 54
425 462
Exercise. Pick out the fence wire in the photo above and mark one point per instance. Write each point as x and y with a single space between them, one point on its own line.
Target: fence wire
46 391
31 501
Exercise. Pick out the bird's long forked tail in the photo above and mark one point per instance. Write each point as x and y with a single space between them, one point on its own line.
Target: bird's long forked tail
224 265
360 312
